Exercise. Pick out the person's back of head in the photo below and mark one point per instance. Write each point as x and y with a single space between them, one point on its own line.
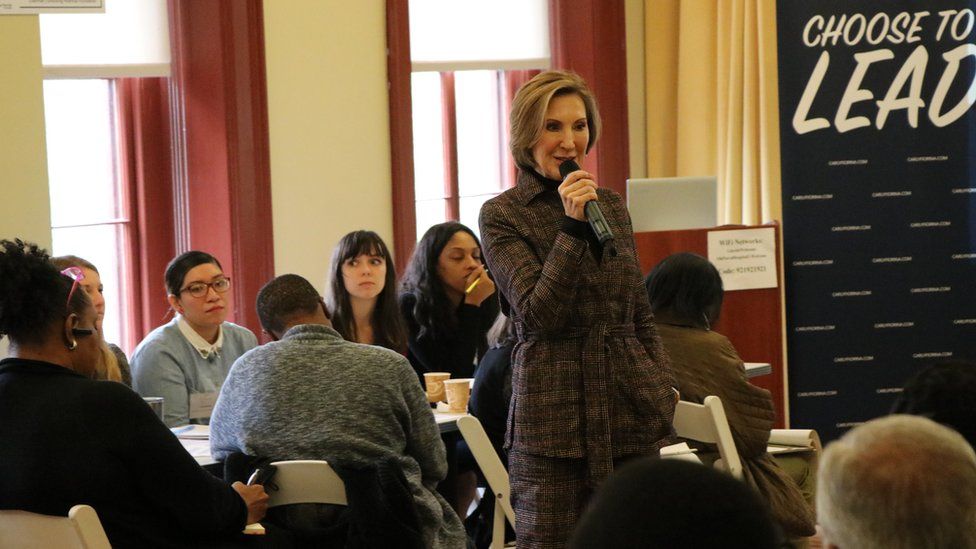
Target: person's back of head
898 482
288 298
945 393
665 503
685 287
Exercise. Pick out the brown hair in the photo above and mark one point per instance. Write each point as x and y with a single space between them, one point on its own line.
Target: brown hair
529 112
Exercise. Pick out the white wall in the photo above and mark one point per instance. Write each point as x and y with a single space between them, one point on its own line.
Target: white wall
25 210
329 128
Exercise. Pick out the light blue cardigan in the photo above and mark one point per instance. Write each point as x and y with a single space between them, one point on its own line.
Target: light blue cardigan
165 364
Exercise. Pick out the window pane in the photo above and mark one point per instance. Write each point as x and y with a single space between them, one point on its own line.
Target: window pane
449 30
478 133
80 151
429 213
428 138
470 208
101 245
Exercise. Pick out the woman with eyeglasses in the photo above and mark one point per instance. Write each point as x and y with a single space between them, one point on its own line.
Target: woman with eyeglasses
68 439
112 363
186 360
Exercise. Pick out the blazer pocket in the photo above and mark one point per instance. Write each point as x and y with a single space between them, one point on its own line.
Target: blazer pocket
548 423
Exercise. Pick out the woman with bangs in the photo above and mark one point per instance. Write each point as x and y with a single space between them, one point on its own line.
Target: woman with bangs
362 292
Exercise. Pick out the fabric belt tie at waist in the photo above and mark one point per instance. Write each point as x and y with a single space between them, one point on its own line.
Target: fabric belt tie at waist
596 389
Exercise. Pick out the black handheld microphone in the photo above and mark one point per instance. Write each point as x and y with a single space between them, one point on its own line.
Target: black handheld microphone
594 215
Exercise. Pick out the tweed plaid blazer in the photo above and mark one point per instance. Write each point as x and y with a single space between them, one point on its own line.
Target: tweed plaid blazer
590 378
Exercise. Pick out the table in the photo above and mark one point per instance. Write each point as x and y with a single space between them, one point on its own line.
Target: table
755 369
197 441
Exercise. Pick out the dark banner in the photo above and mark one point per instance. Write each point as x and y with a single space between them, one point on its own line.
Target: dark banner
877 134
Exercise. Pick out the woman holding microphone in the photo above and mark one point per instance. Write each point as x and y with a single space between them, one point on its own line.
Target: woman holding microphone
591 384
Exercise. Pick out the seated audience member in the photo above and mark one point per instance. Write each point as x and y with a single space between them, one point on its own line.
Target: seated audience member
685 292
312 395
898 482
492 390
67 439
668 504
490 398
944 393
362 292
186 360
447 300
112 364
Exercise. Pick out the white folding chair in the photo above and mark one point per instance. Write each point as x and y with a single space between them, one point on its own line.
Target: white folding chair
495 473
707 423
306 481
81 529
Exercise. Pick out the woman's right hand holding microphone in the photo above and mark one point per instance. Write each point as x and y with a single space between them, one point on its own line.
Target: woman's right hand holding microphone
575 191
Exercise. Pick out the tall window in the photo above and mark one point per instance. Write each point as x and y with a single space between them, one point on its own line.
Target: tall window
463 76
89 217
83 55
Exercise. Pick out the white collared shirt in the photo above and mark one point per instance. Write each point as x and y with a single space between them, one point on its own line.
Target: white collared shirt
201 345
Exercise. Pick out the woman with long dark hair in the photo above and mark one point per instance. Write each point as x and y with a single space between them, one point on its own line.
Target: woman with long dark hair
68 439
362 292
447 300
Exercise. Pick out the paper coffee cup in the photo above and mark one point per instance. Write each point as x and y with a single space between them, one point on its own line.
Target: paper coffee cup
156 403
458 392
435 385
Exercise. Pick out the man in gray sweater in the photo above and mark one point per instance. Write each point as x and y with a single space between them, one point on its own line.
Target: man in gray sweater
312 395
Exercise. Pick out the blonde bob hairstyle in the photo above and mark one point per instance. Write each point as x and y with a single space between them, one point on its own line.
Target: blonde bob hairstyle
529 112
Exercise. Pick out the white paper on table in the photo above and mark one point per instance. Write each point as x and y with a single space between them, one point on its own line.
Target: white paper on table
787 441
192 432
745 258
202 405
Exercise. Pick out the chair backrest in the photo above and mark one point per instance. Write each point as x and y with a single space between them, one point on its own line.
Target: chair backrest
494 470
707 423
81 529
306 481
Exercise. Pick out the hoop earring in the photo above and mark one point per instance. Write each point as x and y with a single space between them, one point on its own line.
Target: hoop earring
74 345
708 325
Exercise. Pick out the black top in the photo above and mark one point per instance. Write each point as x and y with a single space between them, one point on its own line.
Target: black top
68 440
492 393
455 354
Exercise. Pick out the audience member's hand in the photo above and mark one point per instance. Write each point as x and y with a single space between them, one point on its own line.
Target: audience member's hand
482 290
255 498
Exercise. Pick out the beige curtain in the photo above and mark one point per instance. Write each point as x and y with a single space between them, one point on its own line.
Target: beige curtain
712 103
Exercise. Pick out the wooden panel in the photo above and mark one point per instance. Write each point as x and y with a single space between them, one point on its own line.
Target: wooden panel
401 131
751 319
589 37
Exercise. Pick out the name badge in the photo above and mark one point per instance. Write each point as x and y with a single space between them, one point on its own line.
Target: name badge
202 405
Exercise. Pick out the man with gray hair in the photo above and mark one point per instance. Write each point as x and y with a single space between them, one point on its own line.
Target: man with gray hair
312 395
898 482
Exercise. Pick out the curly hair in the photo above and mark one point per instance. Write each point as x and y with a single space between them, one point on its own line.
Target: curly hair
33 294
432 310
388 329
945 393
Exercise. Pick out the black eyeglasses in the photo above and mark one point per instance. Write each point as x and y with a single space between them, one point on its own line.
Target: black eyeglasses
82 332
200 289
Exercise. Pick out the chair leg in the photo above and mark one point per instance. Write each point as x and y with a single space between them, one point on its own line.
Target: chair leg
498 527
